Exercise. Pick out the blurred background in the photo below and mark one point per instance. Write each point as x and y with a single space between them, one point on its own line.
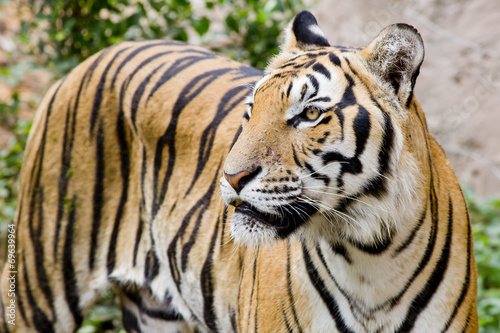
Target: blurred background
458 86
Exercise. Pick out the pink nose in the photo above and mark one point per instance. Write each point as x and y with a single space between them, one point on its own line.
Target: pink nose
240 179
235 180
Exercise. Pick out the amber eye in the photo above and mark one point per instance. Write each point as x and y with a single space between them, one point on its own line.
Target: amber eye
312 113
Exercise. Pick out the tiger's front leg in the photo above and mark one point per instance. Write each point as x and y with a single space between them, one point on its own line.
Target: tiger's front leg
143 313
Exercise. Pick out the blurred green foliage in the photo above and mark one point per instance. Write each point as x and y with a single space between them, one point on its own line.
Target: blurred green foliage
105 316
63 33
485 214
10 165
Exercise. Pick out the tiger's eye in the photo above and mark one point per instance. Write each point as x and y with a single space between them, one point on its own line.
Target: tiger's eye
312 113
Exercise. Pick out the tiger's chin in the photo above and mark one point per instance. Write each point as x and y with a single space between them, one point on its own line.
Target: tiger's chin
248 231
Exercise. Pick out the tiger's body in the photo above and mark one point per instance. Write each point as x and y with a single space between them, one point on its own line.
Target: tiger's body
120 186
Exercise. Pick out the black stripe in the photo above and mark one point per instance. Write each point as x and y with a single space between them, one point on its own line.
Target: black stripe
315 85
465 285
413 233
320 99
348 98
143 175
252 290
40 321
334 59
421 301
98 194
70 284
340 115
309 64
90 71
161 314
223 224
63 175
130 321
387 144
19 300
135 296
303 92
96 105
208 136
232 317
168 138
236 136
362 127
138 236
207 288
35 236
289 289
321 69
151 267
289 90
203 206
125 171
378 247
256 314
340 249
323 292
285 319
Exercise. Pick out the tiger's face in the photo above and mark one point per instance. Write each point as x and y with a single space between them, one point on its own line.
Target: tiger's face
321 150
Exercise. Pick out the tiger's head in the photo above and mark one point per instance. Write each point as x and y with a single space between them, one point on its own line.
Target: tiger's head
324 149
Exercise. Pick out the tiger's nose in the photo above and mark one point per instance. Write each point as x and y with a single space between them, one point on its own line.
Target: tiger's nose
240 179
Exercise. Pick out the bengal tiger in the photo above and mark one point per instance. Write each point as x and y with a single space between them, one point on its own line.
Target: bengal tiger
337 210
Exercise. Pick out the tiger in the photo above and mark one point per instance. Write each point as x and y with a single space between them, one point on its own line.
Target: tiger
310 197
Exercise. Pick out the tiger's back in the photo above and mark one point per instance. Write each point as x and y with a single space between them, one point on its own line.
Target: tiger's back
100 140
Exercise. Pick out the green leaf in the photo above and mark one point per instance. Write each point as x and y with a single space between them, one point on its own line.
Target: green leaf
201 26
232 23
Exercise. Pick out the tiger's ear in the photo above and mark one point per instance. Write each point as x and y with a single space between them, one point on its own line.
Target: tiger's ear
395 56
301 34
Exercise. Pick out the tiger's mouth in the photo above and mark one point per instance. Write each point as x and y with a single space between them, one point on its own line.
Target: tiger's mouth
266 218
283 225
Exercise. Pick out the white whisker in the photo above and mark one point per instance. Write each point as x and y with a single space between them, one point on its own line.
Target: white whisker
316 171
349 197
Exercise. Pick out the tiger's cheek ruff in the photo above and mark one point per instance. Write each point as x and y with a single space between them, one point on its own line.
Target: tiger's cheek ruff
361 200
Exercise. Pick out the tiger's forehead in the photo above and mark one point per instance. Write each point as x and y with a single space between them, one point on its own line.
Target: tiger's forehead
318 69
